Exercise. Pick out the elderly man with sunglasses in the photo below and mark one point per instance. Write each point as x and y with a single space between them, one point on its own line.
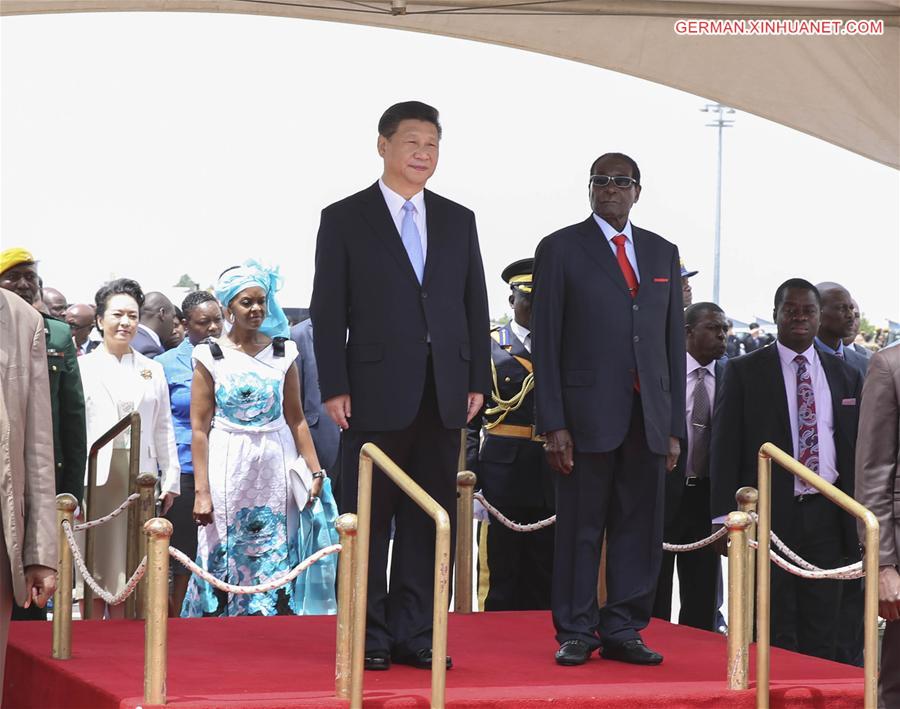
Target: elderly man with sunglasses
609 363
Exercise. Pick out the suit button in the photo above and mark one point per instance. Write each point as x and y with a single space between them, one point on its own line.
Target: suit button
635 307
636 338
424 295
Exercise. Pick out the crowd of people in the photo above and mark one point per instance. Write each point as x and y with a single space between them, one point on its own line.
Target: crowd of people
610 399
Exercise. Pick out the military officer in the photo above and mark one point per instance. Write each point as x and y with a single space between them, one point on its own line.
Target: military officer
506 455
18 273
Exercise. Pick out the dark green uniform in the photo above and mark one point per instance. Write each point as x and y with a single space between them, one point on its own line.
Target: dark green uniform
69 434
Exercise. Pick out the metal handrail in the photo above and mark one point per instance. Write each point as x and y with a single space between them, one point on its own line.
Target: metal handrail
371 455
767 453
132 420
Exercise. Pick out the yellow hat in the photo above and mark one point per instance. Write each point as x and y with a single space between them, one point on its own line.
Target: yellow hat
13 257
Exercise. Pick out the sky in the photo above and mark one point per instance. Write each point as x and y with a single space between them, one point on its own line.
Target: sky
155 145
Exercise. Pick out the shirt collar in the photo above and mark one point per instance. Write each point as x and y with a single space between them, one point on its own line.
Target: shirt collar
396 201
787 355
519 331
693 365
609 231
829 350
151 333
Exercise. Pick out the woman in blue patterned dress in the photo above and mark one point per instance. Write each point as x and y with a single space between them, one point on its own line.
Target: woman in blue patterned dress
247 428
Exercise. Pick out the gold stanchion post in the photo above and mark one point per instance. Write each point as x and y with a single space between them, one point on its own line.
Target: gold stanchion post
747 497
346 527
62 598
763 580
139 514
159 532
465 487
738 642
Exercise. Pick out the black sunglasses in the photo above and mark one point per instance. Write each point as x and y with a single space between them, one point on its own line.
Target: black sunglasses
619 181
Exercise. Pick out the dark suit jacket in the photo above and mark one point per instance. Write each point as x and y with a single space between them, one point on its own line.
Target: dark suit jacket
67 407
675 479
325 433
365 283
146 345
590 335
753 410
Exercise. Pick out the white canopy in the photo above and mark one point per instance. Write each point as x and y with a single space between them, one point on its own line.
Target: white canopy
841 88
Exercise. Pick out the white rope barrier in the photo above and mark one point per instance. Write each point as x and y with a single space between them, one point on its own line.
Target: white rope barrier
130 500
265 587
109 598
699 544
508 523
851 571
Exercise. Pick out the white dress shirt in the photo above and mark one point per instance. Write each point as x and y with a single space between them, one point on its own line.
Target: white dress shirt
709 382
824 413
609 232
395 204
523 333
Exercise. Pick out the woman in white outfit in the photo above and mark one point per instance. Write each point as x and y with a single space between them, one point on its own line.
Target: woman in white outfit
118 380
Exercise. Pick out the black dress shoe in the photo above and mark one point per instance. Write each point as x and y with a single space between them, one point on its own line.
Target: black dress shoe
573 652
377 660
633 651
420 659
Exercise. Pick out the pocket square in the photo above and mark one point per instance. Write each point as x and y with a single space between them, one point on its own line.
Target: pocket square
660 280
848 402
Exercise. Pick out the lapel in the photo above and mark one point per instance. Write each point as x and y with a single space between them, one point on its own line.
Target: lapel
594 242
109 378
439 235
832 366
517 348
375 212
644 260
720 377
773 378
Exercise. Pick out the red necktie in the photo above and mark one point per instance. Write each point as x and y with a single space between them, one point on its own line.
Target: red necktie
630 280
625 264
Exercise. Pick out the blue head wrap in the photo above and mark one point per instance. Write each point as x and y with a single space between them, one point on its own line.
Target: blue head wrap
251 273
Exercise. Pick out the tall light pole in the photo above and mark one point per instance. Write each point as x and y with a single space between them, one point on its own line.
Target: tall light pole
720 120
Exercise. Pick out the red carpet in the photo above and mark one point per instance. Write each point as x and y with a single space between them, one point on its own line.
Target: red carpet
501 660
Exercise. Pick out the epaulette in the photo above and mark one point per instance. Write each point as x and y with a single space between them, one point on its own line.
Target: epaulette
501 336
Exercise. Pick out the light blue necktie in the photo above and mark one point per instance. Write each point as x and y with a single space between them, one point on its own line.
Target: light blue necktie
412 242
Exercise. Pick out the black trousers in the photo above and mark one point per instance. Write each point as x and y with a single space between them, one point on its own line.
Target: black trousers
619 493
805 611
519 564
399 619
697 570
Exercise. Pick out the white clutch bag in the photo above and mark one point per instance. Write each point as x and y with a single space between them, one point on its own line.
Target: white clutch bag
300 479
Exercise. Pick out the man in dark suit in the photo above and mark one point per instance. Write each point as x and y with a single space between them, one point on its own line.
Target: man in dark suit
325 433
609 365
835 323
807 404
399 267
156 329
687 488
850 340
512 471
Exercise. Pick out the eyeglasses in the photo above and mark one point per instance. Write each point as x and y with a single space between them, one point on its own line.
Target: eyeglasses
619 181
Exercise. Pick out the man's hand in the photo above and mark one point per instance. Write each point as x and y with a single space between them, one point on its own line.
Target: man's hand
40 583
672 455
474 403
559 450
720 546
167 499
338 407
889 593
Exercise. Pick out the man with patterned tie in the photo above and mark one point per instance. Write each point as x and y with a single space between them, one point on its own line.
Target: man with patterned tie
687 488
399 308
609 364
807 404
